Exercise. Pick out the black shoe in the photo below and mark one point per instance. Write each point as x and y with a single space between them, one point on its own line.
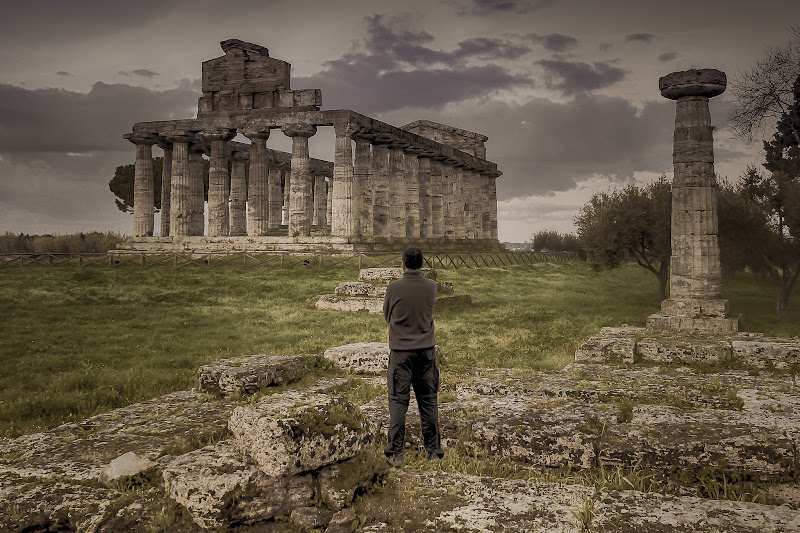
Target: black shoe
434 457
396 459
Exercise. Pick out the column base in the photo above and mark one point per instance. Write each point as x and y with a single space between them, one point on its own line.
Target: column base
690 314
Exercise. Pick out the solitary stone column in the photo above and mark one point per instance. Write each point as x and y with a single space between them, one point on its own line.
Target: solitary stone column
238 208
397 191
380 192
180 201
218 182
257 188
361 205
143 208
342 194
300 194
695 273
425 198
166 183
412 222
196 190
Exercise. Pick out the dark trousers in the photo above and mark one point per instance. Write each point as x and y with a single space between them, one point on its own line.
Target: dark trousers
415 368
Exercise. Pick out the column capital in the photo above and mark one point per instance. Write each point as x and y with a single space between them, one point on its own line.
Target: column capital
256 134
179 136
299 130
218 134
706 82
346 129
142 138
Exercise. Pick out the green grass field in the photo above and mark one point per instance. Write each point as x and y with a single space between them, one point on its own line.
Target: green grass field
78 341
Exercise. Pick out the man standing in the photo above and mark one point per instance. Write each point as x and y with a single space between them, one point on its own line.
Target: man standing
408 308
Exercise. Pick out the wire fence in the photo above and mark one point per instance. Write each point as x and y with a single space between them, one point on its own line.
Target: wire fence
443 260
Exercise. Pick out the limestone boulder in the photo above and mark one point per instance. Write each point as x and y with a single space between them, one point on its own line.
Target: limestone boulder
360 357
299 431
609 344
219 487
359 288
339 483
127 464
339 302
248 374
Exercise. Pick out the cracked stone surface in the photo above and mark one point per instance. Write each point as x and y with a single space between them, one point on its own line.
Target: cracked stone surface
248 374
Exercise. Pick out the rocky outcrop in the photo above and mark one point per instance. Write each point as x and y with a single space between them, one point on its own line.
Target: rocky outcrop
248 374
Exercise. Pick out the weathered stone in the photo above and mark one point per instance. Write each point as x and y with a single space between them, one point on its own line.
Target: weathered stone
348 303
609 344
364 357
386 275
765 352
295 432
359 288
127 464
338 483
311 517
220 488
248 374
343 521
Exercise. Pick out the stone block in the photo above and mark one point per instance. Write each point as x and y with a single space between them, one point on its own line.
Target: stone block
766 352
348 303
311 518
364 357
127 464
386 275
610 344
661 322
359 288
220 488
693 307
339 483
444 287
248 374
299 431
685 348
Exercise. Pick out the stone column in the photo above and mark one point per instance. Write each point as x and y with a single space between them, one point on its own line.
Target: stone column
329 203
287 181
449 200
218 182
143 208
300 192
437 200
412 188
274 196
476 203
257 188
380 191
467 192
460 228
197 192
485 210
341 197
166 182
397 194
425 197
180 200
238 208
492 186
362 190
320 210
695 273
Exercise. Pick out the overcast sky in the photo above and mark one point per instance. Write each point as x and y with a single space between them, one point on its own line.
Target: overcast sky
566 90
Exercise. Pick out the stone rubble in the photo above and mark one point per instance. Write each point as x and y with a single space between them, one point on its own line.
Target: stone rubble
363 357
368 293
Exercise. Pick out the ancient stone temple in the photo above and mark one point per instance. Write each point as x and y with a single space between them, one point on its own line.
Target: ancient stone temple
695 280
425 183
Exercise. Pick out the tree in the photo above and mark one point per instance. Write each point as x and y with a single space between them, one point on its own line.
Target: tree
764 93
122 184
553 241
633 223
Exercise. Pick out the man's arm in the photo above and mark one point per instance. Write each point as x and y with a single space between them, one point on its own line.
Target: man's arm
386 300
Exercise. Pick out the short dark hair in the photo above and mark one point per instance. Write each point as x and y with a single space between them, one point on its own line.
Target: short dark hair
412 258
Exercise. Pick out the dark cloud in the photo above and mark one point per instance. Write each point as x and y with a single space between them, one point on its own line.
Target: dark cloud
63 73
555 42
667 56
393 68
54 21
484 7
124 73
56 120
572 77
145 73
544 146
639 37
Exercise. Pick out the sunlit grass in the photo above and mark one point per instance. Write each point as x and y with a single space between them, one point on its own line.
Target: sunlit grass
78 341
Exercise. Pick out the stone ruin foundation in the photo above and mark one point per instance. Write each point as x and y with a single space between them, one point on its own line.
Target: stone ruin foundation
425 183
368 292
